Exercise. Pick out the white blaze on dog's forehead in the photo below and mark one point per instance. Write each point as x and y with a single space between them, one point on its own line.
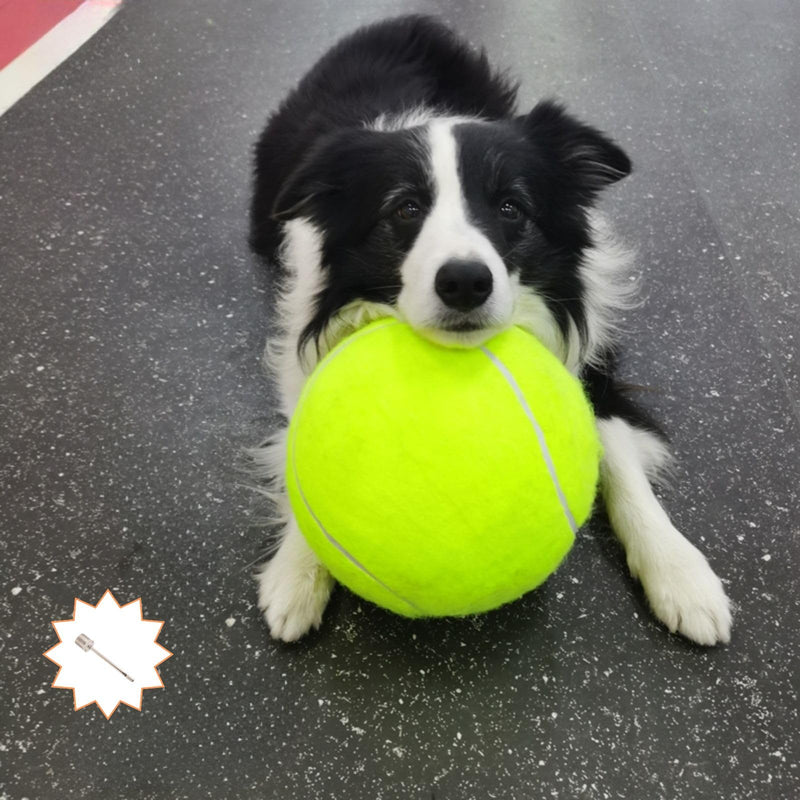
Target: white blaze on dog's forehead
448 234
444 161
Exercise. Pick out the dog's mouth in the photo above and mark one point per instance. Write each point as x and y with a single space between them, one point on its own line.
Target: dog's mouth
470 322
462 327
462 330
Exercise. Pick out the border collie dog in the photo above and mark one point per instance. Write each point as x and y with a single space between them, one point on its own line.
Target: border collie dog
398 179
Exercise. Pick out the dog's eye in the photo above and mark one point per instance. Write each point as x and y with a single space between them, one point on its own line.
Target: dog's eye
510 210
408 210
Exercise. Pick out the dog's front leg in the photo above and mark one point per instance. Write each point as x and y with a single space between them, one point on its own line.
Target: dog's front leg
293 587
681 587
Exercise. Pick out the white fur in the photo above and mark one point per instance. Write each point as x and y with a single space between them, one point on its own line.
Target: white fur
653 455
448 234
609 289
293 588
301 256
411 118
681 587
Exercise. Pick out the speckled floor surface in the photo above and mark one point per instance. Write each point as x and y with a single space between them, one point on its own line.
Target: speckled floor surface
132 322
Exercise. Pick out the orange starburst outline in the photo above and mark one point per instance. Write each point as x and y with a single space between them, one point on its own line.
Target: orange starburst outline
137 601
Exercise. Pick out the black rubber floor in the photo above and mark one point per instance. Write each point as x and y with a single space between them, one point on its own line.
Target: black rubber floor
132 322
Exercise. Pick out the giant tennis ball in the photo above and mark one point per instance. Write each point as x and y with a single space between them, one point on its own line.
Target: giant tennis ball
436 481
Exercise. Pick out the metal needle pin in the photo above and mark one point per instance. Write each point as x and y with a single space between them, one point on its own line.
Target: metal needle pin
86 644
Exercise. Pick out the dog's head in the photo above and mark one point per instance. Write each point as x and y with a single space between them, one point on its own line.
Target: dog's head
464 226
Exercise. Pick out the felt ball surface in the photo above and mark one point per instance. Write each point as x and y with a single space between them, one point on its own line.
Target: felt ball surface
440 481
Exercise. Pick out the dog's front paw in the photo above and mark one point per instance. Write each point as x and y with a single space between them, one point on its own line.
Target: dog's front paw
292 596
685 593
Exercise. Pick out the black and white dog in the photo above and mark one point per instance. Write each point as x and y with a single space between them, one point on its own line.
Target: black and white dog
397 179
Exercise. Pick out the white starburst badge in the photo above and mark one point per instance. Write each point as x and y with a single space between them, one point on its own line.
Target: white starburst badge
108 654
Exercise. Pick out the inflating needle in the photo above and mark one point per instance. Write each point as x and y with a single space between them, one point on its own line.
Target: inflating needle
86 644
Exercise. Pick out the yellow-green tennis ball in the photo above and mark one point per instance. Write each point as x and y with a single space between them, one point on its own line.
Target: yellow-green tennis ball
436 481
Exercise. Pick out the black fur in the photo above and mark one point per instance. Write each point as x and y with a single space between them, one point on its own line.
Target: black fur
317 159
390 67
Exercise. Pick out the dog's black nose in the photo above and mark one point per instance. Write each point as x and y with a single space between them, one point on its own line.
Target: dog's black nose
463 285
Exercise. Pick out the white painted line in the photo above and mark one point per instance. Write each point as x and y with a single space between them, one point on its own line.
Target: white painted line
58 44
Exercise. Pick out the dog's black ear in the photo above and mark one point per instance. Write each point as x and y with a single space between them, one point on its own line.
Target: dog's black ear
304 187
589 157
340 184
339 171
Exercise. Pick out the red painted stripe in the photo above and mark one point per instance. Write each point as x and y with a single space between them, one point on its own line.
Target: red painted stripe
22 22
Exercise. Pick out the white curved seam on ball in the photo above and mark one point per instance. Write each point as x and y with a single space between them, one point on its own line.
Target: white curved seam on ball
316 519
548 459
